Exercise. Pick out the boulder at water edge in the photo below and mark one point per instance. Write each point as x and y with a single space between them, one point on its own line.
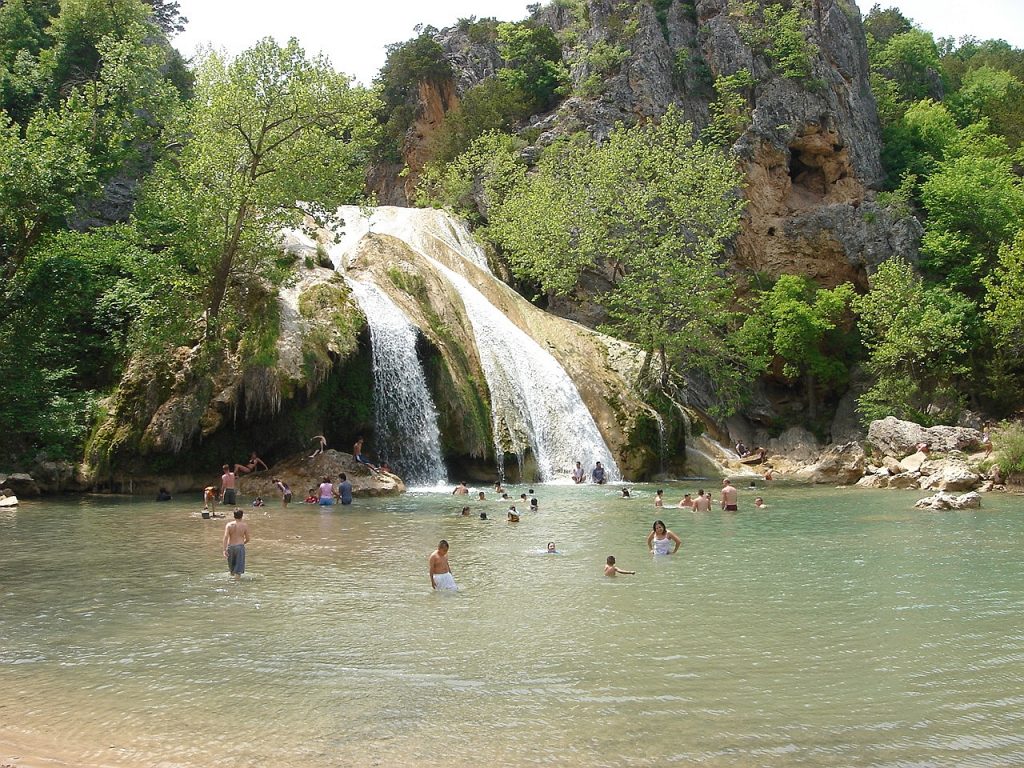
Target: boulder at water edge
301 473
949 474
20 484
899 438
837 465
941 500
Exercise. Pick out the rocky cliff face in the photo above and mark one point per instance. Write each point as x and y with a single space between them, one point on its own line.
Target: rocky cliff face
811 152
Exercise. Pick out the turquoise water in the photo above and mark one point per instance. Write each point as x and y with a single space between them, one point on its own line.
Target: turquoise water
835 628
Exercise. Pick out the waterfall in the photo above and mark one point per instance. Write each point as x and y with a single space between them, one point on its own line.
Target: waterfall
405 419
661 441
535 406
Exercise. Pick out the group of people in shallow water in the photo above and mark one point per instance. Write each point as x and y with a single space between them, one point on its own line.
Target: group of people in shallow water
660 541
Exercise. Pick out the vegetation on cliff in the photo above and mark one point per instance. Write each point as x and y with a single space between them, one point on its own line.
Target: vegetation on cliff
142 198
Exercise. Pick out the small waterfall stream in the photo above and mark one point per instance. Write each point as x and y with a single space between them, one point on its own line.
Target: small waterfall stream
535 406
405 427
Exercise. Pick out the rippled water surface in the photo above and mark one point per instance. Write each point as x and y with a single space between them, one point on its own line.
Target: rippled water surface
835 628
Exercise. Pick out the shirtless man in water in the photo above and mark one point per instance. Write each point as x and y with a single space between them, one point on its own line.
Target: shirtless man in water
703 502
440 572
729 496
236 536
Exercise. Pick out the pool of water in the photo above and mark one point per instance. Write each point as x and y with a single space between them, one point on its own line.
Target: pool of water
834 628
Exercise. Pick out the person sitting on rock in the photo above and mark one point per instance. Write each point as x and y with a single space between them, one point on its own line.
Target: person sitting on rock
250 466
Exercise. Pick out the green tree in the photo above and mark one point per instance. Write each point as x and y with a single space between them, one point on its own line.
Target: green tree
493 105
796 323
267 131
974 204
654 208
904 70
533 57
79 297
1005 296
996 96
730 113
408 64
62 154
781 31
919 341
478 180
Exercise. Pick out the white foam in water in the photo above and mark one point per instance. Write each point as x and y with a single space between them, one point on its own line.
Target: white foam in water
534 404
405 427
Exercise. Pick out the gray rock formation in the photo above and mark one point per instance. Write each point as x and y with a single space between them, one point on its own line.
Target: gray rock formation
838 464
893 436
20 483
942 501
796 444
302 472
949 474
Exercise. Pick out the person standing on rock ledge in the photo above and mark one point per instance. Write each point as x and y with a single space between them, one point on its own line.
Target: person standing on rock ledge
323 446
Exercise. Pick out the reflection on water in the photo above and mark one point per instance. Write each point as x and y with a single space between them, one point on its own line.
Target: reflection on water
836 628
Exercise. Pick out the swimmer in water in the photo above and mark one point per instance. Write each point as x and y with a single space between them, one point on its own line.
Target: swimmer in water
513 516
660 540
551 548
659 498
610 568
759 503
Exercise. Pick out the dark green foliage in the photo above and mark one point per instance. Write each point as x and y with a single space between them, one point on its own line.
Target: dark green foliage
420 59
883 23
533 57
493 105
661 8
64 333
782 33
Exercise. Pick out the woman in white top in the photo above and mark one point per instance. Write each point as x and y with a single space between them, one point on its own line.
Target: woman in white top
661 540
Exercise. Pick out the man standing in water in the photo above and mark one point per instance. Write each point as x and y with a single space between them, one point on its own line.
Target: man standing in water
729 496
703 502
236 536
440 572
344 489
227 486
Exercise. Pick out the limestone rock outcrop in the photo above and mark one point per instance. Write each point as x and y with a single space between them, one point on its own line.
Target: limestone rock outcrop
811 151
949 474
302 471
838 465
942 501
895 437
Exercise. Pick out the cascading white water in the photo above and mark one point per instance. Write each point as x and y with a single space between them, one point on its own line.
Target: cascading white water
405 419
534 404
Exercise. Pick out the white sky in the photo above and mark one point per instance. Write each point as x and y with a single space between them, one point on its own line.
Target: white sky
353 34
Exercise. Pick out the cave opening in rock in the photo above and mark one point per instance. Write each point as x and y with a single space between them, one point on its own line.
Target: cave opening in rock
810 179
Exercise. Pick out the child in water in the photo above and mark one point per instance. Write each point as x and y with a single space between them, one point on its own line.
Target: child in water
610 568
